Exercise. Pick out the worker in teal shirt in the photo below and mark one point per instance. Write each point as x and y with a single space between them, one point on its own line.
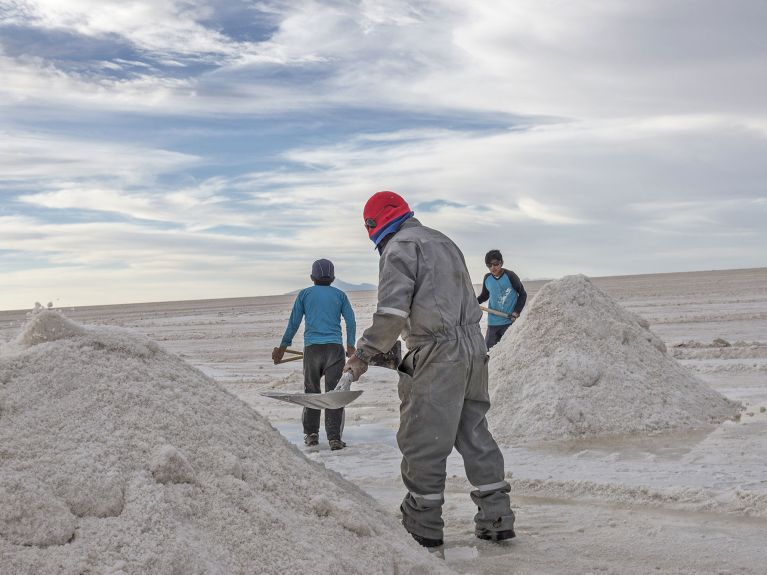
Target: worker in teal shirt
507 296
323 306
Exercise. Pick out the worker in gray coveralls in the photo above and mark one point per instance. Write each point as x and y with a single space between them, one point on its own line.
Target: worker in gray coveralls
425 293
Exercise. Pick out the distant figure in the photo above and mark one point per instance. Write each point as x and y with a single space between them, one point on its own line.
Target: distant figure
323 305
507 296
425 294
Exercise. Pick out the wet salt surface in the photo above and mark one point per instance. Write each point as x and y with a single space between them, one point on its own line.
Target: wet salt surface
368 434
676 503
660 462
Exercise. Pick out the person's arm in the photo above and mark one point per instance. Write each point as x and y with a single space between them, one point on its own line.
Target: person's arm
485 295
516 283
351 325
295 320
296 315
397 275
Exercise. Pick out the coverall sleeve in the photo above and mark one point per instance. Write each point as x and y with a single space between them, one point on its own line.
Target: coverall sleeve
351 324
296 315
516 283
396 284
485 295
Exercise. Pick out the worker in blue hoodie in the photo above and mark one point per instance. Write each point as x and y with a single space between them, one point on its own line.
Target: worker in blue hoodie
323 306
507 297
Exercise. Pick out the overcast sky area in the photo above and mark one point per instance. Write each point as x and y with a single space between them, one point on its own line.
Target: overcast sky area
160 150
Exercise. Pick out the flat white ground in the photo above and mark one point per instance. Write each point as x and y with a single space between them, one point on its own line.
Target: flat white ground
688 502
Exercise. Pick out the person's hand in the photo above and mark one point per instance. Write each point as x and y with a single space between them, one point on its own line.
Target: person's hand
345 383
350 349
356 366
277 354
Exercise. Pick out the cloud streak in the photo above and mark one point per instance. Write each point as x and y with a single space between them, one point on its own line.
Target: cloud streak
231 143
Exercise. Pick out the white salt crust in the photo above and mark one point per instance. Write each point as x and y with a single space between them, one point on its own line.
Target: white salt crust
577 364
117 457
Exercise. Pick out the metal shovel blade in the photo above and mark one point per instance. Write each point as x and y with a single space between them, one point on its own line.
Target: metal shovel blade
330 400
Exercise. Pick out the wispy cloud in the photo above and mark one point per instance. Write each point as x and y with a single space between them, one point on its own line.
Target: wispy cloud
161 27
44 157
233 142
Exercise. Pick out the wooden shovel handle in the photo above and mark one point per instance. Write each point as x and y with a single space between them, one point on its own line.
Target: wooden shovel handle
296 358
297 355
495 312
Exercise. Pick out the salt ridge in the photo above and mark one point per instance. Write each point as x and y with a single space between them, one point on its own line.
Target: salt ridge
120 458
577 364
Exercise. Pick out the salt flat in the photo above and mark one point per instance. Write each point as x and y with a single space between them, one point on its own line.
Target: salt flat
683 502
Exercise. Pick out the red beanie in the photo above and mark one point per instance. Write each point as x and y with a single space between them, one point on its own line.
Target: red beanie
380 210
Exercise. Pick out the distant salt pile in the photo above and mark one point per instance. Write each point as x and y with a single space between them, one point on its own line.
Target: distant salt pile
119 458
578 364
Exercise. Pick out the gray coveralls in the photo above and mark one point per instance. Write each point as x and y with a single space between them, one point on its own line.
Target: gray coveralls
426 294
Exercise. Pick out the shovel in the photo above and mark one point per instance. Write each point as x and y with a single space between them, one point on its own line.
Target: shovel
296 356
337 399
496 312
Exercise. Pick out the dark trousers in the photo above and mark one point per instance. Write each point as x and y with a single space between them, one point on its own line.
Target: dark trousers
495 333
323 359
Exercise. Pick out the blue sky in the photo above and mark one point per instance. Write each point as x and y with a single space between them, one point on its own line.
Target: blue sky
182 149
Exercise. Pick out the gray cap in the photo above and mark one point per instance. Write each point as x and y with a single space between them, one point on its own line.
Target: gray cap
323 270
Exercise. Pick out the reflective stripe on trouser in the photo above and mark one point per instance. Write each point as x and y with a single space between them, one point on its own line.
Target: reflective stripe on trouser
323 359
422 514
444 399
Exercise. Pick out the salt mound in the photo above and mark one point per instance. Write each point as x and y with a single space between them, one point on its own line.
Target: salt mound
118 457
45 326
578 364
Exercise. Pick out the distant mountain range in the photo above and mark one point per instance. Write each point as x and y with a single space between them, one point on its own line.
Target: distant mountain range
345 286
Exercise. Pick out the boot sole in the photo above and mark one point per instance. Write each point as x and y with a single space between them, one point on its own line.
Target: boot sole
488 535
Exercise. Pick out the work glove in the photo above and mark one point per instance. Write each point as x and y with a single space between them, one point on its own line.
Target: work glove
345 383
277 354
356 366
350 349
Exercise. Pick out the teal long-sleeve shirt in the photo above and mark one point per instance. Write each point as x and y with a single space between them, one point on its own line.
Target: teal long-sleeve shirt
506 294
323 307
